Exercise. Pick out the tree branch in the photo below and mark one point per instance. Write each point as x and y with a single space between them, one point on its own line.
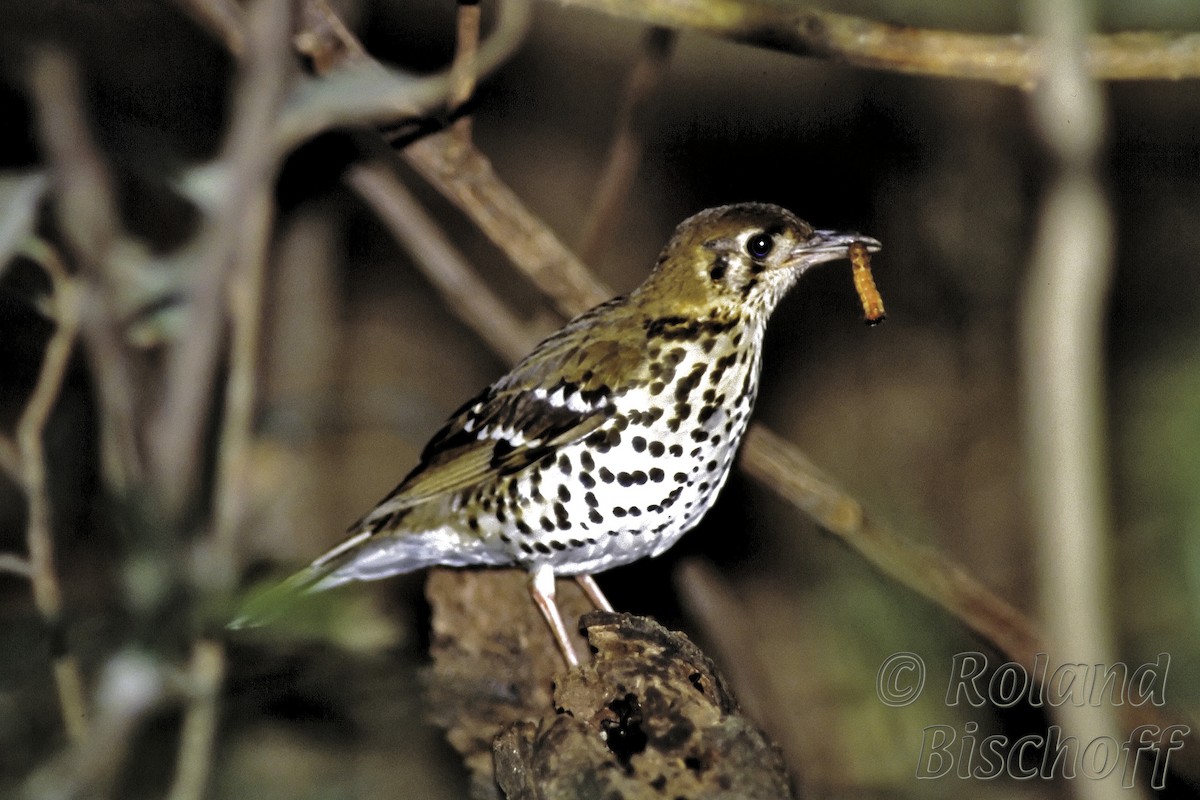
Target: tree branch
1009 60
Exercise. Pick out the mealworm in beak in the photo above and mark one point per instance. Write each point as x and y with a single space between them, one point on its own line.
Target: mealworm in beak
864 284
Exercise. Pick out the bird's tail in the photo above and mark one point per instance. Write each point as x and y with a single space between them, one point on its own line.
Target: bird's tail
365 557
265 606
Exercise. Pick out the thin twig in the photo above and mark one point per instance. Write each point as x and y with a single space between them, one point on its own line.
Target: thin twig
39 532
469 296
1010 60
625 151
15 565
195 760
245 300
464 66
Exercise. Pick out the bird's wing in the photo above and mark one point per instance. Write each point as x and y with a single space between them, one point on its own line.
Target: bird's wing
555 397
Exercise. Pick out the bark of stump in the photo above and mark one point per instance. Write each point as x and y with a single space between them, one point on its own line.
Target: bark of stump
648 716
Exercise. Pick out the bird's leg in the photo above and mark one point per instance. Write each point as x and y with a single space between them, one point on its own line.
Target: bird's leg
592 590
541 586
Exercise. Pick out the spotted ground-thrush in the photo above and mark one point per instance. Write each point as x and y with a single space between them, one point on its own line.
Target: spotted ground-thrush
612 438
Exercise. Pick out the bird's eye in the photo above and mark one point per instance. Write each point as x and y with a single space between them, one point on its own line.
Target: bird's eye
759 245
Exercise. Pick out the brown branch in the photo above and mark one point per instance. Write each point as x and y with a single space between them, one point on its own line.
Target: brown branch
464 291
625 151
465 176
464 67
932 574
1010 60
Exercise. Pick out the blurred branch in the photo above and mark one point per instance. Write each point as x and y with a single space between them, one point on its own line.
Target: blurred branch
468 295
29 460
1010 60
20 196
354 89
722 617
232 234
928 572
225 19
464 67
10 458
131 686
465 176
1063 336
234 451
625 151
15 565
195 760
85 209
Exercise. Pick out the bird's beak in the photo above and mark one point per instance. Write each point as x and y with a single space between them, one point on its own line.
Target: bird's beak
825 246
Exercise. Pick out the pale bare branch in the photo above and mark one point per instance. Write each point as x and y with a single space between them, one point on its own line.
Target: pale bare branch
1010 60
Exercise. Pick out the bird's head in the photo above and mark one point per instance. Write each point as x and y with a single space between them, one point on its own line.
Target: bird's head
739 259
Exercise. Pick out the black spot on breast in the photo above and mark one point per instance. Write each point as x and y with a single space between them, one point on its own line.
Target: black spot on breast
689 382
606 475
564 493
639 444
586 481
564 464
657 475
657 449
546 524
585 460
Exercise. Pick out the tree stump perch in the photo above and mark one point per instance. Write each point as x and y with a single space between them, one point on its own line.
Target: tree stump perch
649 715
